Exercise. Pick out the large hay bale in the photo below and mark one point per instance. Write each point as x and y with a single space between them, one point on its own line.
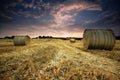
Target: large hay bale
21 40
98 39
72 40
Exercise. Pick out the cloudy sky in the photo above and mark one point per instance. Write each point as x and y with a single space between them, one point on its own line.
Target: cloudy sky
57 17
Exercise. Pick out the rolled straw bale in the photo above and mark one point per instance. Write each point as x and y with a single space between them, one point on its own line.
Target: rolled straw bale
72 40
21 40
98 39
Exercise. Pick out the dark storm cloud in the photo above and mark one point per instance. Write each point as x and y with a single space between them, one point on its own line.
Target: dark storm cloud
48 17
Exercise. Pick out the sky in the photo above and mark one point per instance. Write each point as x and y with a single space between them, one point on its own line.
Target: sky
58 18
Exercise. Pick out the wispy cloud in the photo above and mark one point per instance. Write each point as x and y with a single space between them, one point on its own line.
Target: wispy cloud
6 16
64 15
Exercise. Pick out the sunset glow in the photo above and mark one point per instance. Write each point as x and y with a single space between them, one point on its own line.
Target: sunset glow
66 18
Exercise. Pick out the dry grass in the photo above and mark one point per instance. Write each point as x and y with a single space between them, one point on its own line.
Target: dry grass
114 54
54 59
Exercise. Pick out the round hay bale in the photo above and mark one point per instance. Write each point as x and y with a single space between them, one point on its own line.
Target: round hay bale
72 40
98 39
21 40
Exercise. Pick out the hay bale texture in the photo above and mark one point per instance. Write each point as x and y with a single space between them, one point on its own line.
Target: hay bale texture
72 40
21 40
98 39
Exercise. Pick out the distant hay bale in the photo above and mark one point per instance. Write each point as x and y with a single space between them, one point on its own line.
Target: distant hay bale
21 40
72 40
98 39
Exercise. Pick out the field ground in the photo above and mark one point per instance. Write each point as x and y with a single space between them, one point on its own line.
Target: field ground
55 59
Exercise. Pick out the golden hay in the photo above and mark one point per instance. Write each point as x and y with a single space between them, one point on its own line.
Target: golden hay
61 60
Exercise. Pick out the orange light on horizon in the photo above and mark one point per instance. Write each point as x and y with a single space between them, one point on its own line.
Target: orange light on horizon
66 35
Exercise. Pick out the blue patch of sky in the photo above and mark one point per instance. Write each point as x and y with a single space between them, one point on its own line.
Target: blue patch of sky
87 15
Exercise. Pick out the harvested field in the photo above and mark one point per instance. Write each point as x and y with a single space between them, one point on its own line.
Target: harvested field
55 59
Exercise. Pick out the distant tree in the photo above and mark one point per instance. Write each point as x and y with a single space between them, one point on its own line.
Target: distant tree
8 37
40 36
12 37
50 37
47 36
43 36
